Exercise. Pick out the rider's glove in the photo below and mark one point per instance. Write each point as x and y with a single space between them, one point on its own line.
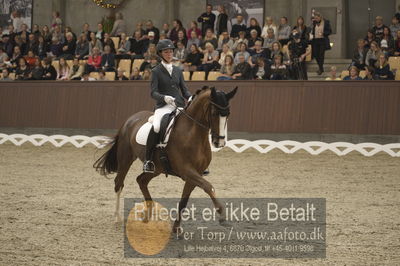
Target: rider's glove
169 100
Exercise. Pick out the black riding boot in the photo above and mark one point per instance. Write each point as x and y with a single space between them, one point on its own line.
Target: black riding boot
152 139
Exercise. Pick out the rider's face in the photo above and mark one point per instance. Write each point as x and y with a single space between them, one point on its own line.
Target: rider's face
167 55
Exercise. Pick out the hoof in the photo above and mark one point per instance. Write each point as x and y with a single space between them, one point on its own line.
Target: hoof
118 219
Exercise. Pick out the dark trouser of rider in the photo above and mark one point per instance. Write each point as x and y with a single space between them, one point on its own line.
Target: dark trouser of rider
152 140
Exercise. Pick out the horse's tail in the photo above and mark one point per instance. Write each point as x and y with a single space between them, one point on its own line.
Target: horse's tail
108 163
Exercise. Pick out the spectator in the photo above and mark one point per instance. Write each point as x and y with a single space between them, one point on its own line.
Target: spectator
108 41
136 74
193 59
102 76
193 40
207 20
63 70
369 73
269 24
7 45
86 77
378 28
382 69
394 27
68 30
94 42
56 48
284 31
6 75
3 58
257 52
43 48
279 70
372 54
108 59
14 60
77 70
57 33
138 46
47 35
261 70
254 25
370 38
238 41
20 44
147 74
32 44
124 47
177 26
222 20
37 71
353 74
11 33
276 49
16 20
165 30
150 39
119 25
49 72
181 38
302 29
320 42
24 33
94 61
270 39
150 28
86 31
298 53
242 51
150 63
225 51
254 38
69 46
139 27
82 47
242 70
333 75
397 45
210 59
227 68
121 75
99 33
22 72
359 55
56 21
180 54
397 15
30 59
210 38
389 41
193 28
224 39
151 52
238 27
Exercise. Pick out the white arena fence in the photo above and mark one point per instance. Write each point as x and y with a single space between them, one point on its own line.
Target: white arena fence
237 145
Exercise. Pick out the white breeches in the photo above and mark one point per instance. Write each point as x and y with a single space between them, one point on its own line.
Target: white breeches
158 115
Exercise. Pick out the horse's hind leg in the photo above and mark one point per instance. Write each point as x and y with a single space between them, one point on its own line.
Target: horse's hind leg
125 160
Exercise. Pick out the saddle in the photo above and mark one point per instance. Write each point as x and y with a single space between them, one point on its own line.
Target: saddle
166 126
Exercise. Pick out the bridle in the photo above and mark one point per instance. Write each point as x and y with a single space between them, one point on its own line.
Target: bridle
208 127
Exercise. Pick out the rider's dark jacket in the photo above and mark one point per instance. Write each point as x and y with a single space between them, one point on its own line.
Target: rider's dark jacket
162 83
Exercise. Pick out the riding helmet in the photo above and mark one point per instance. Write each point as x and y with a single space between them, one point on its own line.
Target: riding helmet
165 44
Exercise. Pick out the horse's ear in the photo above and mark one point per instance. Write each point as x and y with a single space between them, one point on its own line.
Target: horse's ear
213 93
230 94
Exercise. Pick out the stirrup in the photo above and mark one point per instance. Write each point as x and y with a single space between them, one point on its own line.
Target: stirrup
148 167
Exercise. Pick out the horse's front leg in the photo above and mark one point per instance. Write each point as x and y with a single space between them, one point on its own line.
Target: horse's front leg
196 179
143 181
187 190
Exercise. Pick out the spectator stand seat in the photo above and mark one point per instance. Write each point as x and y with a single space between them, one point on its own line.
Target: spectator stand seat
12 75
125 64
94 75
70 63
115 41
110 75
213 75
199 76
394 62
137 63
55 64
186 75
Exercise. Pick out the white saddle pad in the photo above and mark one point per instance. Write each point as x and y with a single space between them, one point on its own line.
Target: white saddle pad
143 132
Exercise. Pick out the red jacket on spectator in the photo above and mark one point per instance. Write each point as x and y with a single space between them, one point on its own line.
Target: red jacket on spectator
30 60
94 61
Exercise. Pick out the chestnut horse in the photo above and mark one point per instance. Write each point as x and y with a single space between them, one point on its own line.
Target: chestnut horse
188 148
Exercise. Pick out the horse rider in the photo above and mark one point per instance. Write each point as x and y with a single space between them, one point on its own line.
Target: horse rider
169 90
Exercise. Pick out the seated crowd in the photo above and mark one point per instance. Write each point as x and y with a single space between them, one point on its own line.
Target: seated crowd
246 52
